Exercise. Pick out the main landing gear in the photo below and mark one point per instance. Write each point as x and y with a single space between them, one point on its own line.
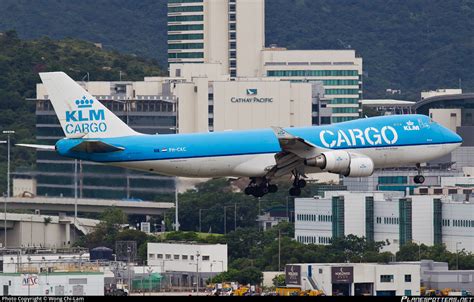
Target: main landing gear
298 184
258 187
419 179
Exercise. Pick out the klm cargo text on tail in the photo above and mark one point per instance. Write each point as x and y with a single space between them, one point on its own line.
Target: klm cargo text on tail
85 119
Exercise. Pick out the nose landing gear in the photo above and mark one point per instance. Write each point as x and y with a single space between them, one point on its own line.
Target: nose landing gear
419 179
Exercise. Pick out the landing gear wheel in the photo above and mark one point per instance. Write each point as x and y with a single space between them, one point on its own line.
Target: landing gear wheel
419 179
272 188
301 183
264 189
258 192
249 190
295 191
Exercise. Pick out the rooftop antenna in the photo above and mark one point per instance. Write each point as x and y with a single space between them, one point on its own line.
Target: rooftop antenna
82 80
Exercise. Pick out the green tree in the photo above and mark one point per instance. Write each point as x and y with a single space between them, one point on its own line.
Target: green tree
279 280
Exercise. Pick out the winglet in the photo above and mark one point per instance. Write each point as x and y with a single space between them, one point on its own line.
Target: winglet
281 133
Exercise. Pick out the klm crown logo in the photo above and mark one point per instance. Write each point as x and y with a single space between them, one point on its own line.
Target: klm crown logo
84 103
410 126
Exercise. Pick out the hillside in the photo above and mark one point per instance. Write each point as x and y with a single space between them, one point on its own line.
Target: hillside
20 62
408 45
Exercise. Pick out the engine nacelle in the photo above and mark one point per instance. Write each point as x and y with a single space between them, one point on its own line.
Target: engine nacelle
361 166
344 163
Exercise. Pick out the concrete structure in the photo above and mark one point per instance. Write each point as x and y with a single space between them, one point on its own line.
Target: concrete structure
401 179
387 106
379 216
355 279
32 230
184 263
339 70
41 259
266 221
268 278
53 284
231 35
214 103
24 187
48 273
146 106
437 276
229 32
439 92
88 205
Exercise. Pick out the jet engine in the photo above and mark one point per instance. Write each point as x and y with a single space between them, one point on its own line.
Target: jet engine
341 162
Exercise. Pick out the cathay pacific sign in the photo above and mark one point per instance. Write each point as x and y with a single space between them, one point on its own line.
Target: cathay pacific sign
251 97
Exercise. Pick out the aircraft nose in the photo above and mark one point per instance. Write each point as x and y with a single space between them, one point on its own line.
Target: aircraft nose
452 136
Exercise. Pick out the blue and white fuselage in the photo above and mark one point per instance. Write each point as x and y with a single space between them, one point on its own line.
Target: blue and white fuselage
352 149
389 141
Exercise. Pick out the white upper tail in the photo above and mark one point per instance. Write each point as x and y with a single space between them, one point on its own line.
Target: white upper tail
80 114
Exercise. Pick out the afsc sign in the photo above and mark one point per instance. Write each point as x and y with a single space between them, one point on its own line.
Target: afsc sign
251 97
85 119
29 280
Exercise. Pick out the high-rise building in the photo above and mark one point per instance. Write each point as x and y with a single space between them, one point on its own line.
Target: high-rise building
232 33
228 32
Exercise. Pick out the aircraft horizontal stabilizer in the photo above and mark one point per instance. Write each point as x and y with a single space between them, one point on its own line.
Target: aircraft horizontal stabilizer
95 147
39 147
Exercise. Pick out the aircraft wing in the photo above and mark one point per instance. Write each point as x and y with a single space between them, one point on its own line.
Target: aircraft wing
94 146
294 151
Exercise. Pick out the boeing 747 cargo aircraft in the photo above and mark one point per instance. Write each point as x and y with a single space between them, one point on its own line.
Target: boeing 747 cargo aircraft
352 149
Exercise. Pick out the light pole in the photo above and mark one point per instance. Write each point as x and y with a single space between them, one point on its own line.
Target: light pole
176 201
235 217
5 221
197 273
279 248
8 133
75 199
200 210
288 208
457 255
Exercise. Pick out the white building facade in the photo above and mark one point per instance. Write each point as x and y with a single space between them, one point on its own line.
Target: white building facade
180 257
53 284
381 216
355 279
231 34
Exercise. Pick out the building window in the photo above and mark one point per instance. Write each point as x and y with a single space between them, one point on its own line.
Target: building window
159 256
176 257
184 257
168 256
386 278
151 256
205 258
191 257
182 9
407 278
